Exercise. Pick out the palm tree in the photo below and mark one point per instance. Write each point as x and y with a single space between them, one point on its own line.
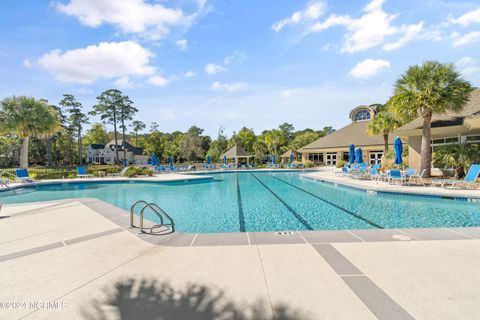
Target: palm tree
383 123
27 117
432 88
273 139
137 126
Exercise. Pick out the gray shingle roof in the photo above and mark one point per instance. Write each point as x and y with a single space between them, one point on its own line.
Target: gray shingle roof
236 152
128 146
471 110
355 133
287 153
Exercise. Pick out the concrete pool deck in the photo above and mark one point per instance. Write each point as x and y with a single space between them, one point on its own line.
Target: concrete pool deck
167 177
64 260
381 186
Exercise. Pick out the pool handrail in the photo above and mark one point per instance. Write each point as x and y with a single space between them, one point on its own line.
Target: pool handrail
161 214
158 211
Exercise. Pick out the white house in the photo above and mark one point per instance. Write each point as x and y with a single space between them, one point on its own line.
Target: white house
105 153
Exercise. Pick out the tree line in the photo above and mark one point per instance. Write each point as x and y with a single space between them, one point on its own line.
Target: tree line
35 131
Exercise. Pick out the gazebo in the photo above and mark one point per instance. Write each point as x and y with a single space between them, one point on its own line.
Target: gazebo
286 156
236 153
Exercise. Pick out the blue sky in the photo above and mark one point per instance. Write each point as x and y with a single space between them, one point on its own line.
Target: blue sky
231 63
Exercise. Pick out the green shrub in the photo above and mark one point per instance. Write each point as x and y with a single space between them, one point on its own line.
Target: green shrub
137 171
388 161
308 164
340 163
457 156
131 172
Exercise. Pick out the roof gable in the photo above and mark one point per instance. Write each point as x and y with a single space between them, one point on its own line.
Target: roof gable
236 152
355 133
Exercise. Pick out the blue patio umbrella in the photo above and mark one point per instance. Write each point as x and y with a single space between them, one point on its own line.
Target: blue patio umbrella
352 154
398 147
171 161
154 159
225 159
291 156
359 155
273 159
268 158
209 160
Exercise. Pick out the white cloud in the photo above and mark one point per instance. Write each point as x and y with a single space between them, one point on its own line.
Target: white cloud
371 29
469 67
368 68
124 82
106 60
158 81
410 32
312 12
228 87
468 38
182 44
150 20
236 56
465 61
468 18
213 68
27 63
190 74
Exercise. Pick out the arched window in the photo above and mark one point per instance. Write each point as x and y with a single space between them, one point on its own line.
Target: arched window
361 115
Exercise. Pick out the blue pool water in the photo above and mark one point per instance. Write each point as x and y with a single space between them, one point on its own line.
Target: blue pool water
268 201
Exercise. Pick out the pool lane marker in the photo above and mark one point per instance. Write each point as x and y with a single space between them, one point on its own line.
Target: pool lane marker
356 215
299 217
241 215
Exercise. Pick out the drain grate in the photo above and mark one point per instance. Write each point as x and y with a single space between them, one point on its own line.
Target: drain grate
284 233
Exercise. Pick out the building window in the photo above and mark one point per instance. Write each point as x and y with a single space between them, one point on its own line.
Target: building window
375 157
362 115
444 141
346 156
472 139
331 158
315 157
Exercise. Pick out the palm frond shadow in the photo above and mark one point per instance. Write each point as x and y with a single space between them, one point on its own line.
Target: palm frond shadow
151 299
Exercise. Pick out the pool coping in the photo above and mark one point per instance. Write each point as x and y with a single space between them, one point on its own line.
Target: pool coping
121 218
184 177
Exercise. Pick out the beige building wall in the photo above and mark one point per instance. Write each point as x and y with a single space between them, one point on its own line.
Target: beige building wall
415 141
414 149
339 151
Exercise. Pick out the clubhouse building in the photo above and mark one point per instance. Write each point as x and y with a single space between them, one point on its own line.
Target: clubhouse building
448 128
328 150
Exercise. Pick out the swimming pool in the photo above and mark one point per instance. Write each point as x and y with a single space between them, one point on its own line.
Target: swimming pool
267 201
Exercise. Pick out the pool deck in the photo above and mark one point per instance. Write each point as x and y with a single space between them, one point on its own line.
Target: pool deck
167 177
75 259
381 186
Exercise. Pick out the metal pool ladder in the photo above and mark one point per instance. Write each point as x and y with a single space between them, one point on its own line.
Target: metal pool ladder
157 210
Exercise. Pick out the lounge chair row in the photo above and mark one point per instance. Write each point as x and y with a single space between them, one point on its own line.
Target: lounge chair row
407 176
393 176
